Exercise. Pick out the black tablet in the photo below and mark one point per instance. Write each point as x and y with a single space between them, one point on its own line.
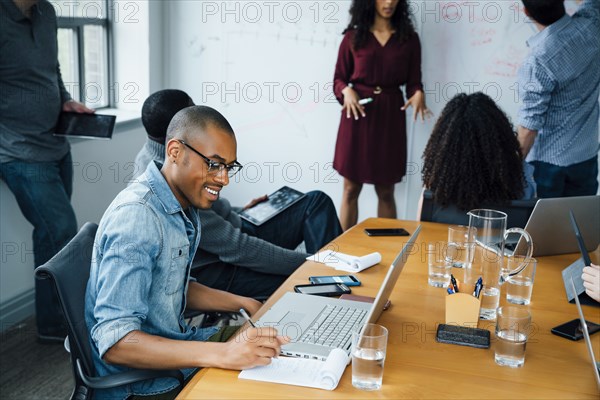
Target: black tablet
276 203
94 126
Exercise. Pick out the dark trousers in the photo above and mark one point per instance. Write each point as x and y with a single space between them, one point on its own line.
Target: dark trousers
579 179
43 192
313 220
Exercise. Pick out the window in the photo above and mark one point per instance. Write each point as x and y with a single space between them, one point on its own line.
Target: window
83 50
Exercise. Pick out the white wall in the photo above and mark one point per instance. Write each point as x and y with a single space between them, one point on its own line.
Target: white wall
268 67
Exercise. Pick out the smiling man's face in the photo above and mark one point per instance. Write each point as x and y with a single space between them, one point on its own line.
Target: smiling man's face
187 172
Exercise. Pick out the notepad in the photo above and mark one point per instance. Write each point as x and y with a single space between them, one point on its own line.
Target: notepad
302 371
346 262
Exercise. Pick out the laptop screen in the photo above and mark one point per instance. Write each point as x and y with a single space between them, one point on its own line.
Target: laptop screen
390 279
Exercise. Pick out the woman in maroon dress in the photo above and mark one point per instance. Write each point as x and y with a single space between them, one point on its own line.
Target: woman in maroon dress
379 53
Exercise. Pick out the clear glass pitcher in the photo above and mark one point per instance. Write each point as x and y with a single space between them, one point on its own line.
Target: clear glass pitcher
488 258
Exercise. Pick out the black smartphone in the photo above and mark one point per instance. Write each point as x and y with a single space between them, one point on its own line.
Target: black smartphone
326 289
387 232
572 329
348 280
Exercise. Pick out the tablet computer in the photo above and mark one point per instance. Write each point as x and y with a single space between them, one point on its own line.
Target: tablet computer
94 126
276 203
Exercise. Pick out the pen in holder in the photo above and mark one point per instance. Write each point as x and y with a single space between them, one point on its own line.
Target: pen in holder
462 316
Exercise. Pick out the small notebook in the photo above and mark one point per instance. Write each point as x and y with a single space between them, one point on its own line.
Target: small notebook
302 371
277 202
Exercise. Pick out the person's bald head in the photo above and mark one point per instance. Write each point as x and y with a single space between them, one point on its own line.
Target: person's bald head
196 117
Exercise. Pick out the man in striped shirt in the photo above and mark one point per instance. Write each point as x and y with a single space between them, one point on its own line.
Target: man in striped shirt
559 85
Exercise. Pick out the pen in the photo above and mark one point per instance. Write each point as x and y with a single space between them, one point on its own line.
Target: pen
478 286
454 284
343 259
364 101
247 317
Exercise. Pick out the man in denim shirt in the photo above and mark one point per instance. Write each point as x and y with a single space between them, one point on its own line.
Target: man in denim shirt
559 85
139 281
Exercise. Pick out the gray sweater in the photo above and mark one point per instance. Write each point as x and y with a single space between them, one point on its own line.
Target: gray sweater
222 239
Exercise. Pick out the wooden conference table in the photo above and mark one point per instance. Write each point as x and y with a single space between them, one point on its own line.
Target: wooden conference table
416 365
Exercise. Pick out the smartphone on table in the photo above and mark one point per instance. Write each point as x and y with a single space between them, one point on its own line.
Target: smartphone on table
348 280
323 289
386 232
572 329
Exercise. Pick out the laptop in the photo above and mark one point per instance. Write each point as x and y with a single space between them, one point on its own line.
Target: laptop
550 227
586 336
317 325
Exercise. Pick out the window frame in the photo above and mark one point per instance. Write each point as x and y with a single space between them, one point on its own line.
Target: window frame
77 25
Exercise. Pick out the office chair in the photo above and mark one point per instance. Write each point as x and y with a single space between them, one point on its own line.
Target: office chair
518 211
69 269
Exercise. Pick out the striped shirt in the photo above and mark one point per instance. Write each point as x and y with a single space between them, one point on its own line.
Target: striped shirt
559 86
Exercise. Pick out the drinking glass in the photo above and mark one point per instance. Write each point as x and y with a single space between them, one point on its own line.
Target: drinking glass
512 330
520 287
369 344
461 241
440 267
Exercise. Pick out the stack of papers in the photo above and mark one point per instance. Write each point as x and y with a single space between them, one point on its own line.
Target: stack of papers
346 262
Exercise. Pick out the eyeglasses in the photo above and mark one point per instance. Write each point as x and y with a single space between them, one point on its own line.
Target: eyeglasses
215 167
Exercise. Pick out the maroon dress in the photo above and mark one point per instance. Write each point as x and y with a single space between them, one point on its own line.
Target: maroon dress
372 149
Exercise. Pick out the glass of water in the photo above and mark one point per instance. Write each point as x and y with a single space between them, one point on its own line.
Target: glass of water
512 329
520 287
461 241
369 344
440 267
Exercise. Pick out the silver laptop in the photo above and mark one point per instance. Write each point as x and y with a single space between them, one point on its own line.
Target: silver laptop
586 335
550 227
318 325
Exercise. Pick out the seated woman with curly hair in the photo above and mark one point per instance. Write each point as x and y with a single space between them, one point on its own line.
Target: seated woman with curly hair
473 157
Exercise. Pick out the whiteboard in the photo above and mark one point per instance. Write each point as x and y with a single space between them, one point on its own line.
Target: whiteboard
268 67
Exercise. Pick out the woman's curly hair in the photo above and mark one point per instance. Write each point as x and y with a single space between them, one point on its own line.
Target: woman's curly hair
473 155
362 14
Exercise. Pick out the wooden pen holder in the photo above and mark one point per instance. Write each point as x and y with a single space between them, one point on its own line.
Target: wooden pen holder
462 316
462 308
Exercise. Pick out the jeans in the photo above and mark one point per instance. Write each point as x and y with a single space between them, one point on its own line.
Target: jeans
43 192
312 220
579 179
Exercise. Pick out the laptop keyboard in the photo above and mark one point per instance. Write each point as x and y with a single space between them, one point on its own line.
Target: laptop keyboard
333 327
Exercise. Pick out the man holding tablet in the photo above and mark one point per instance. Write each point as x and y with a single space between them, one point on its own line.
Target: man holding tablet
36 165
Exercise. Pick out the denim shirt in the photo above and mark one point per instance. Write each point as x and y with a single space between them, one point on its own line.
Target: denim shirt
139 277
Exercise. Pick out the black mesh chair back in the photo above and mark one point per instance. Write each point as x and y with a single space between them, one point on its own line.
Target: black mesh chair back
518 212
69 270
